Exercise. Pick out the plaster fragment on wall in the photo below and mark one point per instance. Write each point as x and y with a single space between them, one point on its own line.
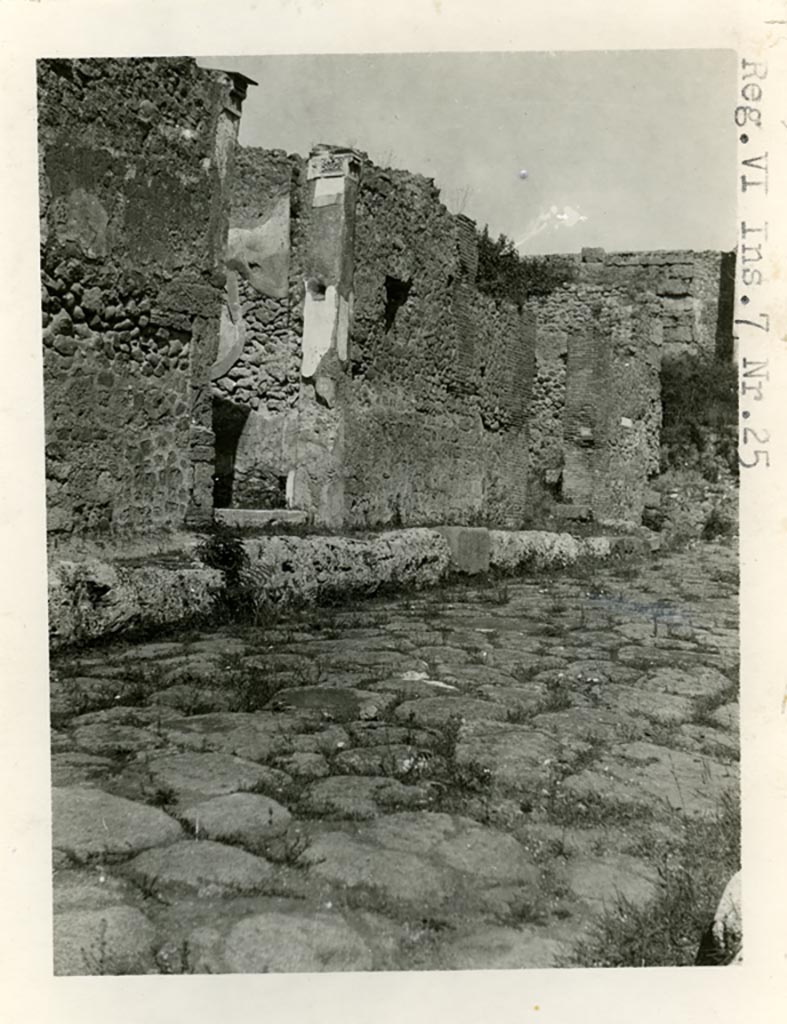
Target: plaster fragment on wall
86 223
343 327
261 253
328 191
224 140
319 321
232 338
626 422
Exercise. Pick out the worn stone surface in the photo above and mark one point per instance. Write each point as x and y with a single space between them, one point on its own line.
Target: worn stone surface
194 775
639 773
295 942
486 821
90 823
360 796
241 817
202 867
114 940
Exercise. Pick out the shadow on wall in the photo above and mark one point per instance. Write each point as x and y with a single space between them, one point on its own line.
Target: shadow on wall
228 423
726 305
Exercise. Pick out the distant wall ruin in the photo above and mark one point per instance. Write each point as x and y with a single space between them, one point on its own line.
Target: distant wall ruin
605 323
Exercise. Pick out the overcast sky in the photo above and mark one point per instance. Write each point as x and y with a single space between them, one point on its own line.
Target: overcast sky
622 149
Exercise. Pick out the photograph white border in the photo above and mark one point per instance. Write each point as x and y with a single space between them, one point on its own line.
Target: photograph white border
757 990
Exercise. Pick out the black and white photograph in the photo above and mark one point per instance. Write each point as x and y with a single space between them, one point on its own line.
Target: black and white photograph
395 408
392 510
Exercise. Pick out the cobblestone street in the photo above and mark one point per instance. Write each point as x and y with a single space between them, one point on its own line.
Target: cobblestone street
451 779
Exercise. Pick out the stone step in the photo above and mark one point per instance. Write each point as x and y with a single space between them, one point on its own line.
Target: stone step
250 518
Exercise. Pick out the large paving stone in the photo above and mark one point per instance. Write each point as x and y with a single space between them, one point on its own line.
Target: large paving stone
247 818
202 867
377 734
339 704
88 823
359 797
415 688
114 740
113 940
90 889
727 716
304 765
646 775
436 711
664 708
254 736
707 740
591 724
151 651
278 942
701 681
492 947
426 859
371 664
649 656
398 875
192 775
517 699
395 759
136 717
193 698
518 756
75 768
604 880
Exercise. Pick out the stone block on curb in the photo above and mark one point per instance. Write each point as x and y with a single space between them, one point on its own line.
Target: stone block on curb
470 548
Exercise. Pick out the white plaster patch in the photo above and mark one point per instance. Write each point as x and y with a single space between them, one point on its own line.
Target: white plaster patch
319 322
232 338
343 328
328 191
626 422
289 493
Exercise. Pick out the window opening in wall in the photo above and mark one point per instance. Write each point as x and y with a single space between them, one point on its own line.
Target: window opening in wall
396 294
317 289
228 422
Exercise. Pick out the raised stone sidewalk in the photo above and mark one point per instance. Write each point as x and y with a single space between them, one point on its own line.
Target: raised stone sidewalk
90 598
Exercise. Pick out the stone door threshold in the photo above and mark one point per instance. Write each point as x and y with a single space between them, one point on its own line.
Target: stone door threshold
260 516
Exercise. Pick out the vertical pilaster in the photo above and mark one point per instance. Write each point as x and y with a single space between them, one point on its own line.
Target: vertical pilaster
230 93
333 176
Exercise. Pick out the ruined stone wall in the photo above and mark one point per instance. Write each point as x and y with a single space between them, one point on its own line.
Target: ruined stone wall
382 387
594 432
134 160
278 440
435 416
604 324
694 289
613 413
256 380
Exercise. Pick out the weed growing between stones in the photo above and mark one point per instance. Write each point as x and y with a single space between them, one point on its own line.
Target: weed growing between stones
242 597
558 696
667 930
163 797
519 715
704 707
541 905
456 778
